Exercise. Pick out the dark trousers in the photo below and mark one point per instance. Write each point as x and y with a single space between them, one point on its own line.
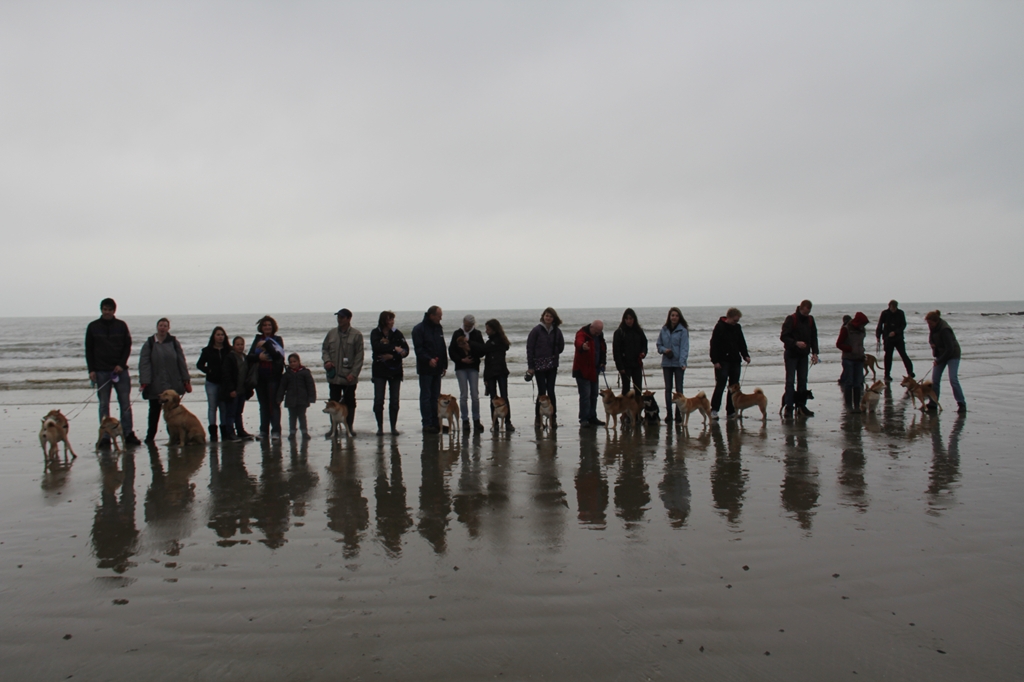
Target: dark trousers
270 409
673 375
796 372
545 386
632 378
154 419
346 395
394 388
726 375
589 392
853 386
494 387
430 391
236 407
901 347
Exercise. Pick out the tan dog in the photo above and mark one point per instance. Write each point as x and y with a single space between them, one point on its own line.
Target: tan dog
111 428
53 432
338 413
698 403
869 401
463 343
183 427
742 401
920 391
871 362
547 412
500 406
614 405
448 409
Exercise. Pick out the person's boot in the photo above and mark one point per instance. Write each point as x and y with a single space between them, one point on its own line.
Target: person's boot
961 408
213 433
857 393
227 434
379 414
477 426
351 421
394 424
510 428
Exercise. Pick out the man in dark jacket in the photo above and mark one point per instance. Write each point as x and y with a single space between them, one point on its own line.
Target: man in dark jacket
728 350
800 338
108 343
589 361
431 363
629 348
946 350
891 324
467 369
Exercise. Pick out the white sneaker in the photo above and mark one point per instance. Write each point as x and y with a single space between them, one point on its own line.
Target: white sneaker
714 415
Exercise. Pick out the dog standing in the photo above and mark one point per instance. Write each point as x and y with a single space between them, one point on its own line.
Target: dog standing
869 401
53 432
546 411
698 403
742 401
500 406
448 409
614 405
870 362
920 391
183 427
338 413
111 428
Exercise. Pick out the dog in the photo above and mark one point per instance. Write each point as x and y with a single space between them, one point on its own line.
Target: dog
870 362
920 391
698 403
111 428
782 406
547 412
500 406
463 343
652 413
869 401
53 432
614 405
183 427
338 413
742 401
448 409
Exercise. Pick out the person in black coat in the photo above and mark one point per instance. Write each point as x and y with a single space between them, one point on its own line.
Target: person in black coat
431 364
388 347
268 350
211 363
800 338
629 348
496 368
235 375
728 350
891 324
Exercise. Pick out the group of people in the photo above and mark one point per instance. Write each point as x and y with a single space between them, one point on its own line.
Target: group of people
234 373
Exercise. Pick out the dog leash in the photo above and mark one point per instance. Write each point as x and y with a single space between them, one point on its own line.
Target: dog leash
78 409
606 381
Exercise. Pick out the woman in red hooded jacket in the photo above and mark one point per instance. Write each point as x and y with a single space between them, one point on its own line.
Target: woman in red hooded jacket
851 342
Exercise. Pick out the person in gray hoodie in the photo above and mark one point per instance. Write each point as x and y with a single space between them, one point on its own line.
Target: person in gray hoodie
162 366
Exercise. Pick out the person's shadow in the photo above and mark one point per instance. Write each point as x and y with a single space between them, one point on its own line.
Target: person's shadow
800 487
115 539
394 517
591 484
728 478
945 471
348 510
674 488
232 494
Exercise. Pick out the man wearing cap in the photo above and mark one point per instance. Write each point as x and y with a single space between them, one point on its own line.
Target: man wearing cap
467 369
108 343
343 361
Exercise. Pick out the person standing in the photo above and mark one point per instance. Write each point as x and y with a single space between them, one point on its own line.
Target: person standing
211 363
298 391
728 350
496 368
343 360
674 347
543 346
108 344
162 366
800 338
851 342
587 364
466 360
629 348
431 364
267 349
387 346
946 350
891 325
235 374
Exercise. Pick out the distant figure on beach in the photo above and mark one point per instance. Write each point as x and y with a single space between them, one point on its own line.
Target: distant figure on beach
496 368
343 360
587 364
466 349
543 346
946 350
800 338
267 349
236 388
298 391
728 351
629 348
851 343
891 325
842 374
211 363
674 347
108 344
431 364
388 347
162 366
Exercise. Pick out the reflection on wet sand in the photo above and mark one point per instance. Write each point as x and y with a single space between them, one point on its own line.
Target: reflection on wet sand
591 484
115 539
348 511
470 498
852 486
168 505
674 488
271 508
728 478
302 480
547 514
800 483
435 498
632 494
232 496
945 470
394 517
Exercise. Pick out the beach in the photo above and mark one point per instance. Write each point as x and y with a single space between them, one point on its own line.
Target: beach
844 546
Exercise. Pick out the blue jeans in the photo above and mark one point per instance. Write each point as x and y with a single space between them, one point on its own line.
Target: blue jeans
469 386
589 391
215 403
430 391
954 380
123 388
796 369
673 375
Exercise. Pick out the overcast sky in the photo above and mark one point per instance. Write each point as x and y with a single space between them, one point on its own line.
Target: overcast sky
217 157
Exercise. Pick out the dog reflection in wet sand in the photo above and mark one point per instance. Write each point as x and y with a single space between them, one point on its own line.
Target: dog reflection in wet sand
183 427
698 403
53 432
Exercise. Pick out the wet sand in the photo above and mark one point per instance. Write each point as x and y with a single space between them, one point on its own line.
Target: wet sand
843 547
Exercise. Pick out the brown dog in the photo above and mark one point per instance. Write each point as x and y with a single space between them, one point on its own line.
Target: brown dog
53 432
869 401
547 412
500 406
338 413
920 391
742 401
183 427
614 405
111 428
698 403
871 362
448 409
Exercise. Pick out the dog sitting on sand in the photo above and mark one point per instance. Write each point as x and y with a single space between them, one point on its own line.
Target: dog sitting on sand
53 432
183 427
652 413
869 401
614 405
698 403
448 410
500 414
920 391
546 411
742 401
110 427
338 412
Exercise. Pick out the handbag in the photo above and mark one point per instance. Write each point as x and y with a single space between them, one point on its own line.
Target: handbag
252 375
